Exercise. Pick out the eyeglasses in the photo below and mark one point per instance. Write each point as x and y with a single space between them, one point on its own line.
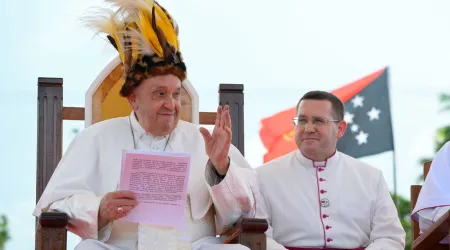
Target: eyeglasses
316 121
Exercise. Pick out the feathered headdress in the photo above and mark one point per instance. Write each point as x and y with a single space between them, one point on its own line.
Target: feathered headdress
146 37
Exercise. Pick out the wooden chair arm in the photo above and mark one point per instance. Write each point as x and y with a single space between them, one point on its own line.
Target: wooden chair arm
51 233
248 232
438 231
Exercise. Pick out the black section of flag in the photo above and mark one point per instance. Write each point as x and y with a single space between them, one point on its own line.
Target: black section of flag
369 125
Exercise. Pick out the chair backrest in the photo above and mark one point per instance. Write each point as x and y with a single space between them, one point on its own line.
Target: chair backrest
103 101
415 190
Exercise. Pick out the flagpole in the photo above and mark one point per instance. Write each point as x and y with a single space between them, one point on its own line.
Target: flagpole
394 176
394 159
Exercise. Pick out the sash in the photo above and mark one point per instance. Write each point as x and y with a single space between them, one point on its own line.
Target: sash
302 248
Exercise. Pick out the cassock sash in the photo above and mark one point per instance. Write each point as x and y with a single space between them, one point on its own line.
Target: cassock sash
302 248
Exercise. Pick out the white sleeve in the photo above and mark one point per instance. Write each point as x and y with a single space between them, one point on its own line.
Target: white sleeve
238 195
387 231
232 196
430 215
264 211
72 188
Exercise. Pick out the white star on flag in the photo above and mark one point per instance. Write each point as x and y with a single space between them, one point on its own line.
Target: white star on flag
358 101
362 137
354 127
348 117
374 114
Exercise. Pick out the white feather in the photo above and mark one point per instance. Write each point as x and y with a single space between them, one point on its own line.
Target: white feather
131 5
101 20
112 22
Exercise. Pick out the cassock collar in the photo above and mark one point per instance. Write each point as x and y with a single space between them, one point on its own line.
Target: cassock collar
139 131
305 161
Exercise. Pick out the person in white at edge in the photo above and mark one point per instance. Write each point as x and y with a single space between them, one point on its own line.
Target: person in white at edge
222 186
434 197
318 197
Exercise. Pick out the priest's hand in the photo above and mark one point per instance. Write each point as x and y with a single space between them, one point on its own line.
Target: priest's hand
218 144
115 205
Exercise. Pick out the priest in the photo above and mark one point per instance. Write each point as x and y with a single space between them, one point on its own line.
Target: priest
320 198
222 186
434 197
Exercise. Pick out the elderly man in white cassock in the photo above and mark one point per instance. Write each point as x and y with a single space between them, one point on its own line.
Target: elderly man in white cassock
222 186
320 198
434 197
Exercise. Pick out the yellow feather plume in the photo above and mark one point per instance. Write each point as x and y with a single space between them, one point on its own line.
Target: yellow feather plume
166 27
131 27
145 27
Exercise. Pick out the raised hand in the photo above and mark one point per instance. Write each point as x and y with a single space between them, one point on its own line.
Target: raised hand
218 144
115 205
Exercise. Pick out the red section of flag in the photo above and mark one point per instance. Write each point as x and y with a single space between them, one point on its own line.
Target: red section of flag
276 134
277 131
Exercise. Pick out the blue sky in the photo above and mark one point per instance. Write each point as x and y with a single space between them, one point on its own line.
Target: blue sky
278 51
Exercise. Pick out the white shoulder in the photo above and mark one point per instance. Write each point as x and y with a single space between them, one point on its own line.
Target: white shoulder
275 165
189 130
358 165
188 126
106 127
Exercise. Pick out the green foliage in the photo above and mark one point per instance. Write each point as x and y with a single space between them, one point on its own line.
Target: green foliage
4 233
404 212
445 100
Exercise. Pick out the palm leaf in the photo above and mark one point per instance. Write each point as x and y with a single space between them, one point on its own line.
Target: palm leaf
444 99
4 232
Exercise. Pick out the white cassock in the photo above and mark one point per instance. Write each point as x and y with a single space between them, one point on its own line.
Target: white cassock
91 168
434 197
341 203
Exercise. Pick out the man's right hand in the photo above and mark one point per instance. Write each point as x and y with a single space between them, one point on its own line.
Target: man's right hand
115 205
